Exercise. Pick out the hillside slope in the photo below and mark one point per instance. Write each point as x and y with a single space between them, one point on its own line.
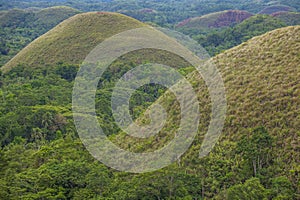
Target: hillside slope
262 87
73 39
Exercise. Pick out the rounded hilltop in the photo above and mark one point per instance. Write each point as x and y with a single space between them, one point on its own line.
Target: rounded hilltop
215 20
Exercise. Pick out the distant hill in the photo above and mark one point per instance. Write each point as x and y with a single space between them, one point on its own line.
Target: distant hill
290 18
279 8
216 20
15 18
19 27
47 17
50 17
84 32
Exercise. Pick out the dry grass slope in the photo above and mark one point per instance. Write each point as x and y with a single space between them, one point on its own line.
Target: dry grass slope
262 87
262 82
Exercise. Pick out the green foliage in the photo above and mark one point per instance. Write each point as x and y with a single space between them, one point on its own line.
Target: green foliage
257 149
251 189
56 171
31 104
281 188
67 72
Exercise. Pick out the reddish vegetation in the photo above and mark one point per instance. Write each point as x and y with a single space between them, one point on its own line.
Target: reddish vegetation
183 23
101 13
230 17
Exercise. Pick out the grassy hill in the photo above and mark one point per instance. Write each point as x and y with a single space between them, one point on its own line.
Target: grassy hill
62 44
262 89
216 20
261 79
